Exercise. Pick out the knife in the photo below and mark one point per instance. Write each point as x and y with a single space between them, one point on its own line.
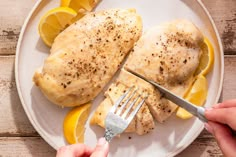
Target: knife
193 109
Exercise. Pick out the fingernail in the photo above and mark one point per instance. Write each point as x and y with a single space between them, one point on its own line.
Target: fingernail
208 128
102 141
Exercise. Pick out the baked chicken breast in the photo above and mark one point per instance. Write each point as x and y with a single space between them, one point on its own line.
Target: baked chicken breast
86 55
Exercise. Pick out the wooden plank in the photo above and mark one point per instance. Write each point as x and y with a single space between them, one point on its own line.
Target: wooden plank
25 147
13 13
202 147
13 120
224 15
229 88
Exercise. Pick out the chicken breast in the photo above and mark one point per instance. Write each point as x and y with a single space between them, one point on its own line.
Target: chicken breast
143 121
86 55
169 55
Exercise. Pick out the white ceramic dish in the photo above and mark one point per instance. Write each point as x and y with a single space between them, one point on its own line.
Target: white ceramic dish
167 139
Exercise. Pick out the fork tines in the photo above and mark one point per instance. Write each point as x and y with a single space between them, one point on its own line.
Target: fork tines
129 101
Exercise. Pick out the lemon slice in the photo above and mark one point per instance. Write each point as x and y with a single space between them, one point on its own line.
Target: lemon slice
80 5
53 22
74 124
197 95
207 58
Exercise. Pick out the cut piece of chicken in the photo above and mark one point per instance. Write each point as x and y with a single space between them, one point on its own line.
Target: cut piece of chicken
143 120
86 55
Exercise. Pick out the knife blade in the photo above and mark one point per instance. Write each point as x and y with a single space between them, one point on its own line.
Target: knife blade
193 109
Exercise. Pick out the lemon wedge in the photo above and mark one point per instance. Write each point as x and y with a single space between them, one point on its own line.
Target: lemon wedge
207 58
53 22
80 5
74 124
197 95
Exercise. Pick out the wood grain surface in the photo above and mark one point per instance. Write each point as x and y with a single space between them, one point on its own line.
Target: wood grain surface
12 16
13 13
223 13
24 147
13 120
19 138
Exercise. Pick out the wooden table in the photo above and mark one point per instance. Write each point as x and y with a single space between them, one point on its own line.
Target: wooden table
19 138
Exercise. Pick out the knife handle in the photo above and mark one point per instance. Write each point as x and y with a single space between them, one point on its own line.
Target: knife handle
201 114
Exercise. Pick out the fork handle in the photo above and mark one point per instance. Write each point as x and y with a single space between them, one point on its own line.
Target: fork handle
108 135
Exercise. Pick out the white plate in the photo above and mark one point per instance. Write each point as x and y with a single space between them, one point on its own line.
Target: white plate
167 139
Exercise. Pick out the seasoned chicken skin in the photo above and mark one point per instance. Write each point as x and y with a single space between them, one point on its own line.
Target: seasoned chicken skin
168 53
86 55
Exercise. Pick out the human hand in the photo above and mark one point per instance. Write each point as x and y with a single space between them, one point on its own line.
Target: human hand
81 150
222 120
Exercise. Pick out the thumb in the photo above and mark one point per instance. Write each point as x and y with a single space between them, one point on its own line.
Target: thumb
101 149
223 136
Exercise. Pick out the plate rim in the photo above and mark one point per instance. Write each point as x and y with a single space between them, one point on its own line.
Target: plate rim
23 29
35 124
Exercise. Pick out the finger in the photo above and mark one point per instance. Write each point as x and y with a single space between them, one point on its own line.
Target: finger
222 115
74 150
101 149
226 104
224 138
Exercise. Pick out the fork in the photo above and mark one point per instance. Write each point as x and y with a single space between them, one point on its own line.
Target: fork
118 118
